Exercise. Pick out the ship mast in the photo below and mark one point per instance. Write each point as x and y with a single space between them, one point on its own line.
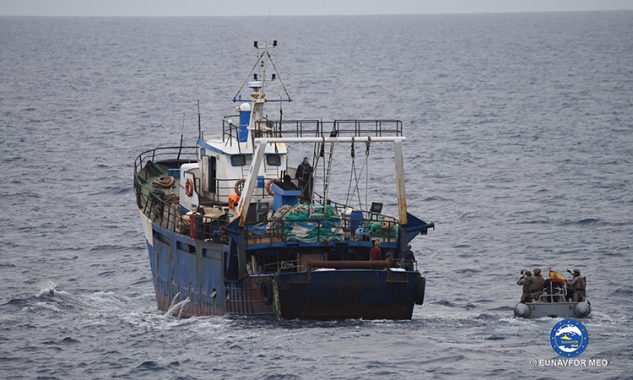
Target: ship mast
257 85
256 81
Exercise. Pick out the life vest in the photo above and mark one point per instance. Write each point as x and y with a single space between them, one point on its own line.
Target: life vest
233 201
580 284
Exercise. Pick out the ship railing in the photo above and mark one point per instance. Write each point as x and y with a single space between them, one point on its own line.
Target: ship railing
342 208
314 128
217 192
344 226
166 211
336 128
150 202
180 154
357 128
271 128
554 293
288 128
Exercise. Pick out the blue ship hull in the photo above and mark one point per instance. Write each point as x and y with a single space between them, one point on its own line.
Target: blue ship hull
347 293
184 268
193 275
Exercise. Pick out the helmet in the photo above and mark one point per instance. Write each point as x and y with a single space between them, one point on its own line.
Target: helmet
537 271
577 272
528 273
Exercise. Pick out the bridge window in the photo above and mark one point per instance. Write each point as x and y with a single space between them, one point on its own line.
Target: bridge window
273 159
238 160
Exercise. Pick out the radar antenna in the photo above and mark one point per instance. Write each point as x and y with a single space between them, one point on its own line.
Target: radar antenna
259 77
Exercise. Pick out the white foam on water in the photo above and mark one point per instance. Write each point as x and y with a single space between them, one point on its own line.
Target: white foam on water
48 289
105 300
177 308
173 300
42 305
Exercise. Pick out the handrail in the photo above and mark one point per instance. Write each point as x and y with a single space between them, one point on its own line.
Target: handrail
371 215
167 212
315 128
186 151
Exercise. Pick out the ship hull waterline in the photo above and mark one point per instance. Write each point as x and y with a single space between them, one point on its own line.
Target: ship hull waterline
189 280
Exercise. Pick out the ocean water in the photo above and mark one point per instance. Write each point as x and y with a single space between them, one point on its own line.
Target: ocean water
520 148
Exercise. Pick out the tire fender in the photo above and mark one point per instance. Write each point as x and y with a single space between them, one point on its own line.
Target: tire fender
266 289
420 287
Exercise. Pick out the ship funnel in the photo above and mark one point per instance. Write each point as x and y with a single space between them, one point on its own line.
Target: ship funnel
245 119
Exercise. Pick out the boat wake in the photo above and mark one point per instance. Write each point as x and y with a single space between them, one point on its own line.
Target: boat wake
53 299
176 308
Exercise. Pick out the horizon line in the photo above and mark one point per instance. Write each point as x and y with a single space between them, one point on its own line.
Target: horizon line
328 15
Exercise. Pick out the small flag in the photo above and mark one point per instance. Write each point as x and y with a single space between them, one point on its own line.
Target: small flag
556 277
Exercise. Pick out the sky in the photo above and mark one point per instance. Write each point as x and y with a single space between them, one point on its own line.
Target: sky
292 7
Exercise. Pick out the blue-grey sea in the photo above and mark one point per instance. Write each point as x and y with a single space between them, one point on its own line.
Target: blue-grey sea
519 146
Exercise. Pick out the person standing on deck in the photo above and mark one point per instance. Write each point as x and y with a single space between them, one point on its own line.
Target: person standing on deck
375 253
304 175
407 258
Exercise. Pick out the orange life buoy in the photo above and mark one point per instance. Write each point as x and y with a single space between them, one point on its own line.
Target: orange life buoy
189 187
269 185
238 186
233 200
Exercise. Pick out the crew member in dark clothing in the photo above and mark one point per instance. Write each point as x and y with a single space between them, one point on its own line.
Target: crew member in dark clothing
286 183
304 175
407 258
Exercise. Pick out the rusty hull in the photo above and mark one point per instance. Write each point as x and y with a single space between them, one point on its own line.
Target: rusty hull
345 294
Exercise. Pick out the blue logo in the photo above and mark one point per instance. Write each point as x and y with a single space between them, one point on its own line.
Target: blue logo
569 338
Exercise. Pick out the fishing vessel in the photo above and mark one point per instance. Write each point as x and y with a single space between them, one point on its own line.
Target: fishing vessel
232 228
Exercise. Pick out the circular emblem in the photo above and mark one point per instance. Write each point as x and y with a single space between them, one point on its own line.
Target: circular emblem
569 338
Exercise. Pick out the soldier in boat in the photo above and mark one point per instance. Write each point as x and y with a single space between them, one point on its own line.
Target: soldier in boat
577 285
526 281
538 282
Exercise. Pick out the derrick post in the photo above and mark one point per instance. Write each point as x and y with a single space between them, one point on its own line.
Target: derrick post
402 196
